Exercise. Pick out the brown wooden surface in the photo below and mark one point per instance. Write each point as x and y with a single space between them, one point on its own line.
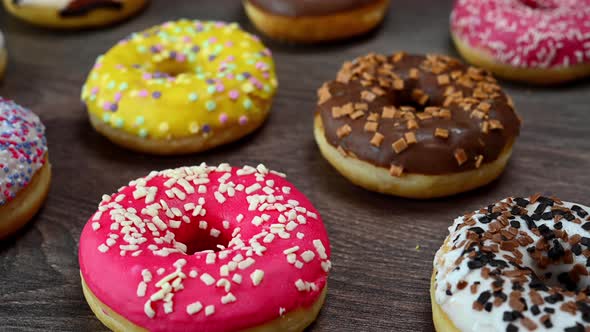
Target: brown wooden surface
380 280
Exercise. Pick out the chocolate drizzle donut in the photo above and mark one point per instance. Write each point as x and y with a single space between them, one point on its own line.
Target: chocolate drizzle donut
521 264
420 114
296 8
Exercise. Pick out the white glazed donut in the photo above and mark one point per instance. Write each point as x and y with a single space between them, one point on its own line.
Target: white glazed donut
517 265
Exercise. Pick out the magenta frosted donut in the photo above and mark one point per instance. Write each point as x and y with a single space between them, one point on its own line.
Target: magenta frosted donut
550 38
205 248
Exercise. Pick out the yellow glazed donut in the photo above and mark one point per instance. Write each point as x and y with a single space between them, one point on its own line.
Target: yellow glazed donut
73 14
3 56
181 87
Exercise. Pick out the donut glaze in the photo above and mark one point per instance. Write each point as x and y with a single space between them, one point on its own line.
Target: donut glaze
22 148
182 79
518 265
205 249
434 106
526 33
295 8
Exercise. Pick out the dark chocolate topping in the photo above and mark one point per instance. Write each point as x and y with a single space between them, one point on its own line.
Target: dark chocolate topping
83 7
296 8
418 114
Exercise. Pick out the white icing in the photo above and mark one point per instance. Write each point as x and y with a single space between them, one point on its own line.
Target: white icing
459 305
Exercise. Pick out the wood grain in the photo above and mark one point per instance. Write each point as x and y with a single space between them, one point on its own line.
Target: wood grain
380 280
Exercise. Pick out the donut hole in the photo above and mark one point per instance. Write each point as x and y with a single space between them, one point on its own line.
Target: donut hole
198 239
539 4
170 68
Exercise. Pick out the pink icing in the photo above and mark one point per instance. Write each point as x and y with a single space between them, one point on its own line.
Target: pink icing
146 232
526 33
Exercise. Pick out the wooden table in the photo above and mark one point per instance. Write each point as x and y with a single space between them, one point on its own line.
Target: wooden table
382 246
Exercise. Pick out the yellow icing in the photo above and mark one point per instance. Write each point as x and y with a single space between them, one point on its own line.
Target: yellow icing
216 74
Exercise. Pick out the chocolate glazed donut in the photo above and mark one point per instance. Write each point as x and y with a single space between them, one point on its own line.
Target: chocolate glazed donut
296 8
413 114
315 21
455 117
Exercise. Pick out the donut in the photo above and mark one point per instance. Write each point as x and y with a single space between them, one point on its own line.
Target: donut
418 126
3 56
315 21
534 41
206 248
25 172
181 87
517 265
73 14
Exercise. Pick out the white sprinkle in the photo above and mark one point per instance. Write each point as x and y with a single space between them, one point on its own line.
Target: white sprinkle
147 275
175 223
224 283
268 238
291 258
257 221
224 271
95 226
252 188
202 189
228 298
141 288
319 247
237 278
300 284
210 258
307 256
103 248
147 308
299 264
225 224
207 279
194 308
219 197
246 263
240 217
193 274
203 224
256 277
209 310
120 198
300 235
290 250
214 232
291 225
326 266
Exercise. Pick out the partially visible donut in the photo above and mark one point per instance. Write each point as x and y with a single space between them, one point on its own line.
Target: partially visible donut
517 265
206 248
415 126
73 14
314 21
25 172
537 41
3 55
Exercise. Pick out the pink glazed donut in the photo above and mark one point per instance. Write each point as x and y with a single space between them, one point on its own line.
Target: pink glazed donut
536 41
206 249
